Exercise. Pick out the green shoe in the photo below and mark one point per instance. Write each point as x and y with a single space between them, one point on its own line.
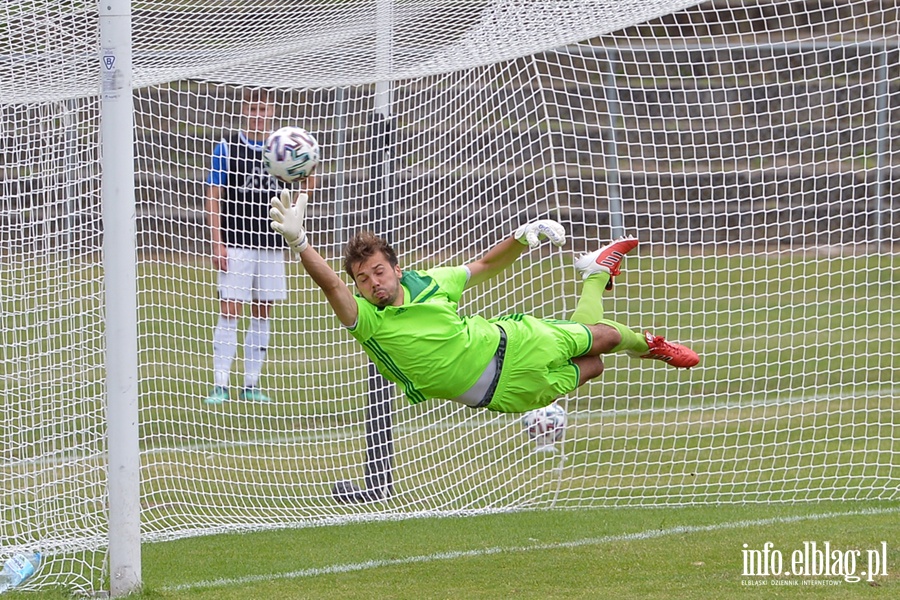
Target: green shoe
218 395
252 394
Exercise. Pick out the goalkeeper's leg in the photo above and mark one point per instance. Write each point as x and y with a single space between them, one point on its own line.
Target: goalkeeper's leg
590 312
610 336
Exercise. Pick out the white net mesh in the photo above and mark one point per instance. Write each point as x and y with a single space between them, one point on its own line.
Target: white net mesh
52 448
750 145
50 49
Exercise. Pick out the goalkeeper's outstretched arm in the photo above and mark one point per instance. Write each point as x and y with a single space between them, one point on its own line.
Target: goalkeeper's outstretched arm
287 214
506 252
336 291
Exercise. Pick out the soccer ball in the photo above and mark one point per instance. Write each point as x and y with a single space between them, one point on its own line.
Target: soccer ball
545 425
291 154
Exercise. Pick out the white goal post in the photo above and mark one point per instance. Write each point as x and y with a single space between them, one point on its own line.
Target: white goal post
751 145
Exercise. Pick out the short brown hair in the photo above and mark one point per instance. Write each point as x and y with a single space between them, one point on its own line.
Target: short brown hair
363 246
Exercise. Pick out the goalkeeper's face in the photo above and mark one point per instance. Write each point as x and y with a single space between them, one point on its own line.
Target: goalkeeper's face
378 281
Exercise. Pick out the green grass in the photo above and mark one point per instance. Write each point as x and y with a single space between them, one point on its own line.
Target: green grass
794 403
623 553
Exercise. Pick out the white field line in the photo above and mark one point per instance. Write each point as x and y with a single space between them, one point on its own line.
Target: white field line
457 554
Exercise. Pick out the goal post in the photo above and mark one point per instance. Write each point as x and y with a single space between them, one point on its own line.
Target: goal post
379 456
750 145
120 282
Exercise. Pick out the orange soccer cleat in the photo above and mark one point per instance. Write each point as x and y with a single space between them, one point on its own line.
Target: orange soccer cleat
607 259
677 355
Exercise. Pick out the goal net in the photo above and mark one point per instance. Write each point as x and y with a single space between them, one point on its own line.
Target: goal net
750 145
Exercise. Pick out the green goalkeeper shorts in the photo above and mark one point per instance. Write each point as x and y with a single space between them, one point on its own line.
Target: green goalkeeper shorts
537 367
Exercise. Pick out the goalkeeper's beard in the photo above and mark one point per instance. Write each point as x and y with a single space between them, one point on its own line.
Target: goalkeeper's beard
382 300
384 296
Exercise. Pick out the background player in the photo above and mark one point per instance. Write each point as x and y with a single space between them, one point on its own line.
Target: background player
247 253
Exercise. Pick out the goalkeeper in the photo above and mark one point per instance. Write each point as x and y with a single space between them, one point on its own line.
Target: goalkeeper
408 324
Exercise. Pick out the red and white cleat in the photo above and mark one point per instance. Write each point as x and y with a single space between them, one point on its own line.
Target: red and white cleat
607 259
677 355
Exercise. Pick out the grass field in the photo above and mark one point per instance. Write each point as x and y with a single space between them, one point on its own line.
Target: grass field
788 433
621 553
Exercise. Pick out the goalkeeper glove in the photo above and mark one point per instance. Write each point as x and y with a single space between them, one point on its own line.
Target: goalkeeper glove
532 233
287 219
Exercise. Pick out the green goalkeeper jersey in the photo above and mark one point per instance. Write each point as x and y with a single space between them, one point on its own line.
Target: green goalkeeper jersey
424 345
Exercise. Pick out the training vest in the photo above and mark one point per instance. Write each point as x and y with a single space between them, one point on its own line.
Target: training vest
244 204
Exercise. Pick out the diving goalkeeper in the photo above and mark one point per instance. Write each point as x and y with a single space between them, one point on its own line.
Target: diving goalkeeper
408 324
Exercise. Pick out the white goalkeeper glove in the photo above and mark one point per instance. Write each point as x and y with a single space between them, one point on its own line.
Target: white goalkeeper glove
287 219
531 233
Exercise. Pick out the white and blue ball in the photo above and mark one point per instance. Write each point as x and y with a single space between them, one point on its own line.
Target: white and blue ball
547 424
291 154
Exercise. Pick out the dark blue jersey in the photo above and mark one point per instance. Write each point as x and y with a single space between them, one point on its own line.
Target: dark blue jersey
246 190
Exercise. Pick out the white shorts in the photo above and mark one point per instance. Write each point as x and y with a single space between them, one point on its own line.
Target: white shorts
253 275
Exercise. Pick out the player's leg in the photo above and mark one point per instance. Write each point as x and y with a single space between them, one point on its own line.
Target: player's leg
269 286
256 345
589 367
611 337
234 290
224 349
599 268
